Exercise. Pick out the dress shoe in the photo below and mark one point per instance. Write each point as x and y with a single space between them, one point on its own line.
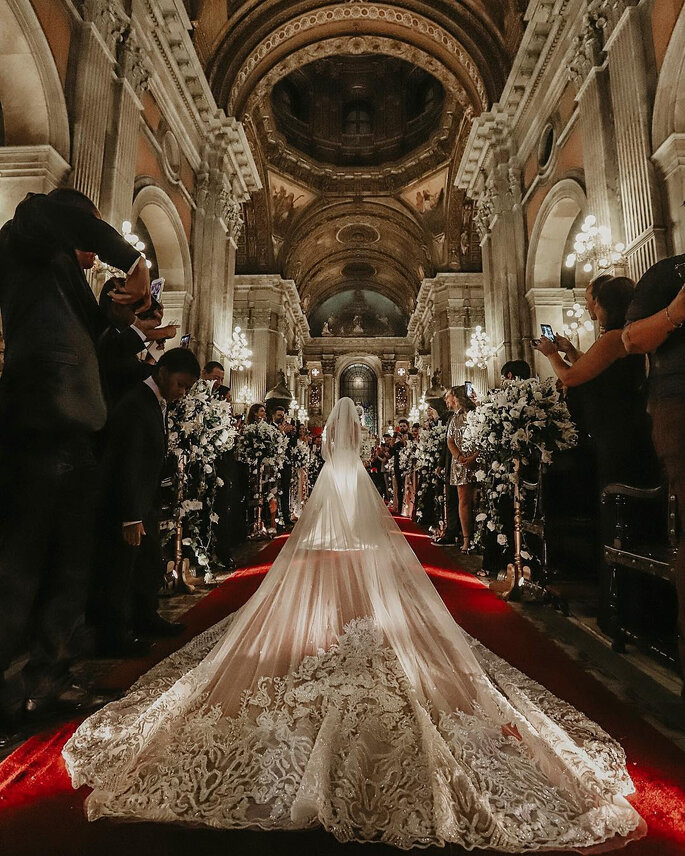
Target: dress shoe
158 626
445 541
72 699
122 645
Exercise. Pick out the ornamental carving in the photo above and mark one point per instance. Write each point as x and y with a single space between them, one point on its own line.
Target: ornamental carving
388 367
232 214
328 366
359 12
133 64
109 18
586 52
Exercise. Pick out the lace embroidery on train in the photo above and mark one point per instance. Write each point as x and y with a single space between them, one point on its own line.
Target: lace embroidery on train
344 742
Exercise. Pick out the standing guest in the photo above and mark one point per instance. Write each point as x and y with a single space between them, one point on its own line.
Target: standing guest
516 370
130 570
611 391
401 438
461 474
122 342
214 372
48 421
451 492
279 420
656 325
256 413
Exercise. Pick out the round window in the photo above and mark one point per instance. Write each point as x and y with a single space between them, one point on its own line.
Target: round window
546 146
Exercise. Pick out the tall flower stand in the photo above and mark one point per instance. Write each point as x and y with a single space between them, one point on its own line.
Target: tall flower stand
177 574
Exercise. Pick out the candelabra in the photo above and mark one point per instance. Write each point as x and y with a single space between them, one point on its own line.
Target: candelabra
134 240
593 247
239 354
480 350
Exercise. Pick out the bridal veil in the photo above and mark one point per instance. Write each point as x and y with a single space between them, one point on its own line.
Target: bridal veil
343 694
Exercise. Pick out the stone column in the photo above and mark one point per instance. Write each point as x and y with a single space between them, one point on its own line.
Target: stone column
670 159
388 368
103 27
596 122
631 86
328 370
120 155
499 219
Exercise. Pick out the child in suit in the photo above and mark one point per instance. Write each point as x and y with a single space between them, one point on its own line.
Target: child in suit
130 573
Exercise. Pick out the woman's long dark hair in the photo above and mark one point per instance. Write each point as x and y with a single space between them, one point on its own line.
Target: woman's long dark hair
252 412
459 392
614 295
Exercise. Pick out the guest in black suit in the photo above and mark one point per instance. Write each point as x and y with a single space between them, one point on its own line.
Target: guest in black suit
451 493
279 420
130 572
401 437
122 342
51 405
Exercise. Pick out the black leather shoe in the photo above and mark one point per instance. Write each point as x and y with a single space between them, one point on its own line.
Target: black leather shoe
122 645
158 626
445 542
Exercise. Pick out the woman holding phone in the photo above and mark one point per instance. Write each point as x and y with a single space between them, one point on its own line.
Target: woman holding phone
610 389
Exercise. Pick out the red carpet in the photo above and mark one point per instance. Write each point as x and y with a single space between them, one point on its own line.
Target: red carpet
41 814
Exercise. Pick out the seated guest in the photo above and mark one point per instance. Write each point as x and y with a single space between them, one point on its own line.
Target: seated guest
611 391
130 572
656 325
122 342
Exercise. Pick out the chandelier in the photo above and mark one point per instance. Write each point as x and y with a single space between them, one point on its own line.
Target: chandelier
414 415
593 247
239 354
480 350
574 323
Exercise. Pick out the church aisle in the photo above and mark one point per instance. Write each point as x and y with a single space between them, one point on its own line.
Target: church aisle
40 812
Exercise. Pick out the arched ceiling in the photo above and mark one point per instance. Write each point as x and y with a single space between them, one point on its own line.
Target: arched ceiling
369 205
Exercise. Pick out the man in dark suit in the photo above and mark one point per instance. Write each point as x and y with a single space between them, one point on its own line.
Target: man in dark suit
451 494
279 420
51 405
129 572
401 438
123 340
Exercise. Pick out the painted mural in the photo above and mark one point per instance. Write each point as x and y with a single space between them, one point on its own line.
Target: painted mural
357 313
287 198
427 198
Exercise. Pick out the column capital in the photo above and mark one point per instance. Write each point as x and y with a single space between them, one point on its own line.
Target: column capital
328 365
133 64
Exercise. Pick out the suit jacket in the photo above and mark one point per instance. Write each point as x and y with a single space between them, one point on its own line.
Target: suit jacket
51 320
135 451
119 364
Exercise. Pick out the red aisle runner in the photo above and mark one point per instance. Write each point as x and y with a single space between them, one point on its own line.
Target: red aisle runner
40 813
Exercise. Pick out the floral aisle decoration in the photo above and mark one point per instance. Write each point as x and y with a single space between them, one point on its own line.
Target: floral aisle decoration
315 465
299 456
408 456
430 454
263 448
201 429
523 422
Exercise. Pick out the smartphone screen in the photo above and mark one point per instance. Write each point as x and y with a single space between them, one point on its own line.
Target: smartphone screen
469 388
547 331
156 287
185 341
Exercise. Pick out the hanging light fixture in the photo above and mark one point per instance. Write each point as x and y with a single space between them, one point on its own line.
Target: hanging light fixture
239 354
414 415
593 247
480 350
574 323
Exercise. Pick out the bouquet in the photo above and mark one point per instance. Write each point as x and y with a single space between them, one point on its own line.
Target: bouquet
263 447
524 420
201 428
430 454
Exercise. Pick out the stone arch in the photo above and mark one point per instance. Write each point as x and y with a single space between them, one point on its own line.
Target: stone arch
34 108
163 223
669 102
557 214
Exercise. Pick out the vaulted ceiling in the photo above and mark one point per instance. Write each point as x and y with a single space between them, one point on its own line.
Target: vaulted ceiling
357 114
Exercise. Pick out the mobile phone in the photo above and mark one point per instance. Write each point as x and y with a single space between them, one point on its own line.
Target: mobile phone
469 388
185 341
547 331
156 287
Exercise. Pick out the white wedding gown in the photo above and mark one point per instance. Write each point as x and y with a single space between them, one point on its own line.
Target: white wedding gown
343 694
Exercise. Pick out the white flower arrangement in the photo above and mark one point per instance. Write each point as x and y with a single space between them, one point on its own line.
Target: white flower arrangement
524 420
408 457
299 456
262 445
201 428
430 453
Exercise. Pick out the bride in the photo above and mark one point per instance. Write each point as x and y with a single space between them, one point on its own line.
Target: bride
343 694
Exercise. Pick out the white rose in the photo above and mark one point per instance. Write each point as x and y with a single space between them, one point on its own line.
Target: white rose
502 540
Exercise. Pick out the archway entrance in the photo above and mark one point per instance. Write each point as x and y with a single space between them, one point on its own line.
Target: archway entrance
359 383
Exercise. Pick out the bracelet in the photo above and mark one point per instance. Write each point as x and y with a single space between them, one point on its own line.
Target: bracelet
671 321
